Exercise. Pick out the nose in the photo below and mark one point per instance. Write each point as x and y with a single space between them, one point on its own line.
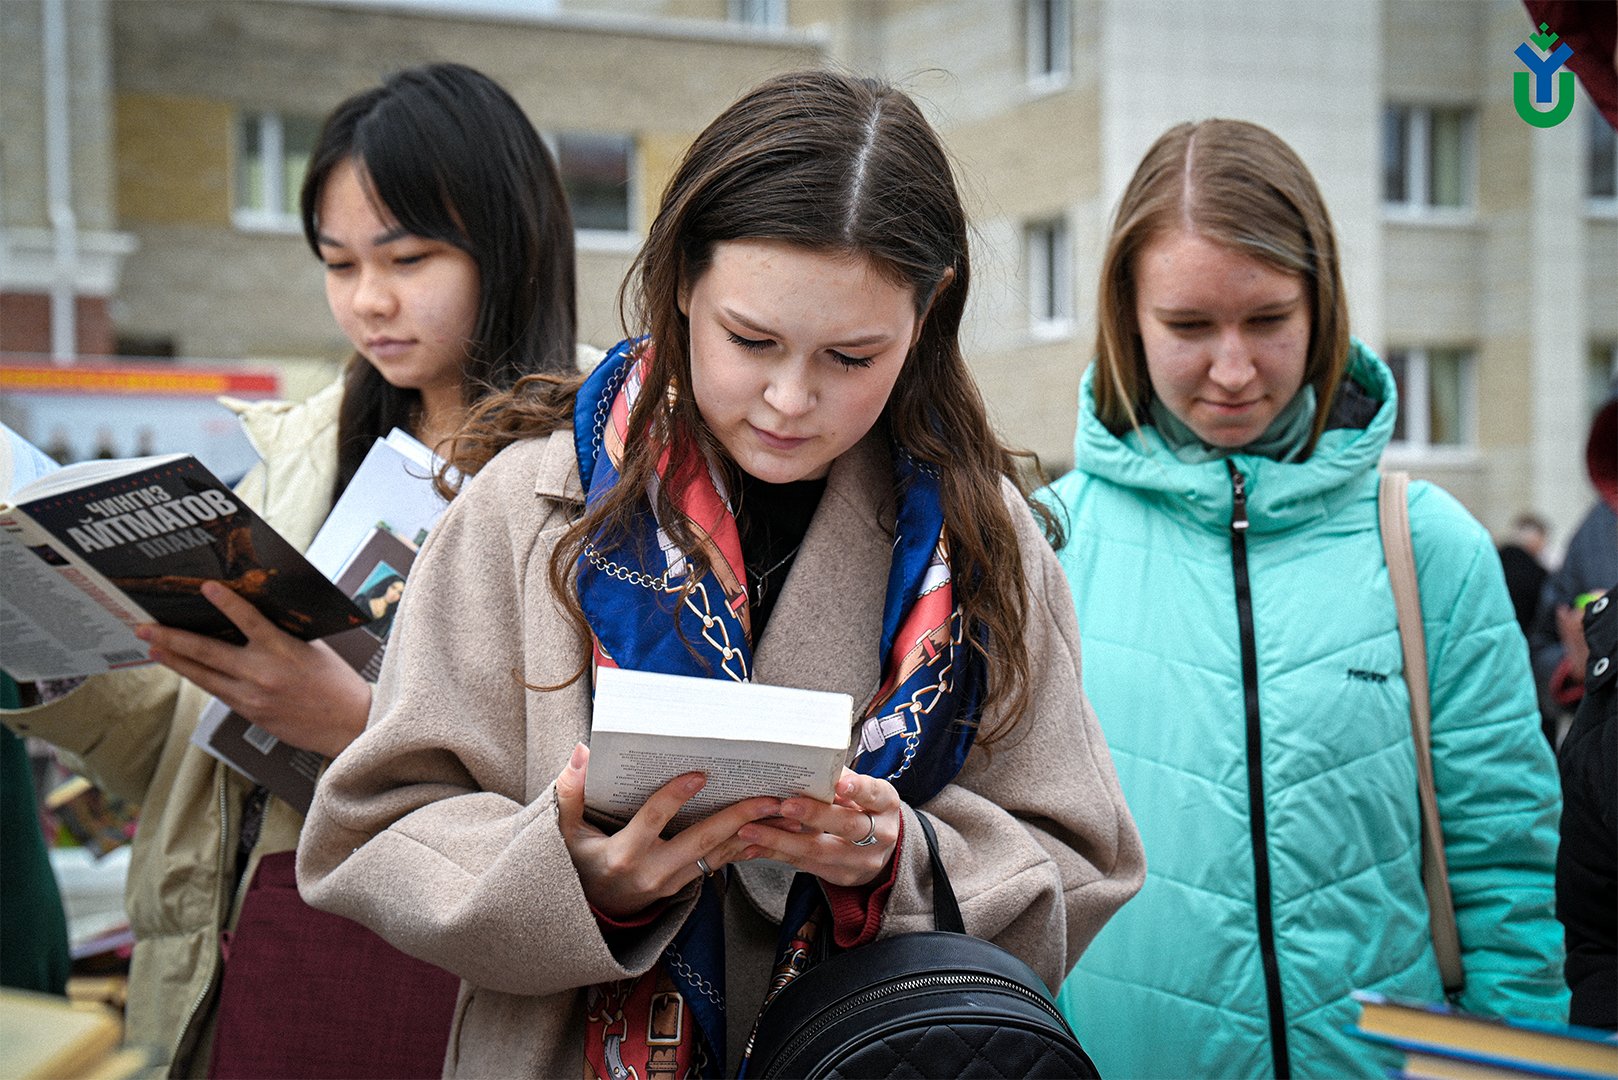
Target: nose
1232 366
790 390
373 295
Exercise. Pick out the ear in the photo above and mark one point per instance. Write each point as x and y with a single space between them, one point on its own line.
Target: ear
682 298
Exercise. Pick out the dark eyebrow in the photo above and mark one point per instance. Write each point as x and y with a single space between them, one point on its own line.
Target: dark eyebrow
396 233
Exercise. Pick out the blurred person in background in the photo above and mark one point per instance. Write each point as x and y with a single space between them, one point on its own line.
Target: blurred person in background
1520 558
1589 565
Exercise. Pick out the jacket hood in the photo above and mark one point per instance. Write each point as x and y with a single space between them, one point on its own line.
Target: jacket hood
1279 495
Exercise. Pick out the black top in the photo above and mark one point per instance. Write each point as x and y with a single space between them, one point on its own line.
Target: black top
772 520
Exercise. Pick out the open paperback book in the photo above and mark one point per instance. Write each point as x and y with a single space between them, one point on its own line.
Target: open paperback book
749 739
92 550
1445 1043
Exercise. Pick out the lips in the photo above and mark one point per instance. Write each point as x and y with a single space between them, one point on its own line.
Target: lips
384 348
1230 406
777 442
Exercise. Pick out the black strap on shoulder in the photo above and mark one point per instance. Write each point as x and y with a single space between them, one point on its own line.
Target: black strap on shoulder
946 911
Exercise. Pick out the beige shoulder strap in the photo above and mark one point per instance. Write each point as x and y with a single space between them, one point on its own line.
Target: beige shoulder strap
1393 512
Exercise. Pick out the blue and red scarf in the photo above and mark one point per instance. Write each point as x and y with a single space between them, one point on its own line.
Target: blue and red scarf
916 732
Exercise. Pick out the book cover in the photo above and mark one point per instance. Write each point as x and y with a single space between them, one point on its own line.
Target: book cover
1531 1048
137 539
375 578
749 739
284 770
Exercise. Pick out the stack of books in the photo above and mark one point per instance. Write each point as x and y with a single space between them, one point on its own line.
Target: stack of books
1443 1043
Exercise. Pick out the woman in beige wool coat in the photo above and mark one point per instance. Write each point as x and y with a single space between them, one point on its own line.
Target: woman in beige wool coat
792 468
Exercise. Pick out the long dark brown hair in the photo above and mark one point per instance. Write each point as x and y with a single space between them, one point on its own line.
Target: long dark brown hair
847 166
1240 186
453 158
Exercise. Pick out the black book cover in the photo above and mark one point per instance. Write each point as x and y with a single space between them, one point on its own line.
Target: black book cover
158 533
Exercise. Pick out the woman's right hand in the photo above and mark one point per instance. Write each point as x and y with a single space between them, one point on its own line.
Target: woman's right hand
633 868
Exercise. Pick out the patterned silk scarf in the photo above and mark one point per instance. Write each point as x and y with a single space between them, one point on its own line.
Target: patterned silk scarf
916 732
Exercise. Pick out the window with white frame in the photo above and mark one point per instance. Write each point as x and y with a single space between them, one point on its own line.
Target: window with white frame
1049 261
1602 173
1050 42
1601 368
272 155
596 169
769 14
1436 397
1428 156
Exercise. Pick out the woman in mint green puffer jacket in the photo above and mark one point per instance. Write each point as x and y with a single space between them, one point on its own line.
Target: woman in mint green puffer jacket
1242 653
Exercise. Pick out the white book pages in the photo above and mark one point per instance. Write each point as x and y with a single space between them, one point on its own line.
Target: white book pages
747 738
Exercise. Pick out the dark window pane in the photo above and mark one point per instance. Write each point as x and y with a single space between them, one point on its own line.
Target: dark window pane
1395 159
1446 158
298 134
1398 362
595 172
1446 397
1603 158
250 164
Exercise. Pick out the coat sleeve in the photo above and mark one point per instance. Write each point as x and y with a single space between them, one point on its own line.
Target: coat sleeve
1039 845
437 828
1498 792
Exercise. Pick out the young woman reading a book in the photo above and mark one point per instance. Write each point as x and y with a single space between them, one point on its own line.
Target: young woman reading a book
1234 604
790 478
450 268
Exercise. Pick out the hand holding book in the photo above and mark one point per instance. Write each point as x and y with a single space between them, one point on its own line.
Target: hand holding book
302 692
707 772
627 871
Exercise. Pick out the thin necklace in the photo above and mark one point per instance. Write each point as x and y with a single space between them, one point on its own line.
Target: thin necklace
760 578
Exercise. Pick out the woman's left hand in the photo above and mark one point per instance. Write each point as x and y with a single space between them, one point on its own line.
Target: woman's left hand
301 692
824 839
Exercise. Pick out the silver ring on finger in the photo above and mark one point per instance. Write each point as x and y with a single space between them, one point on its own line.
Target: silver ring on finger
870 838
702 864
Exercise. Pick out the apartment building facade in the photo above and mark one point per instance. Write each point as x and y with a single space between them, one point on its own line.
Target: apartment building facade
1481 253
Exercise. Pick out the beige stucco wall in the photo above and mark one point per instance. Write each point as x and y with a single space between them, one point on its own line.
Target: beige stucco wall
186 69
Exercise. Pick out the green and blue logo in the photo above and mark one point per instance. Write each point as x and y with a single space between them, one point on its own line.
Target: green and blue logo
1542 65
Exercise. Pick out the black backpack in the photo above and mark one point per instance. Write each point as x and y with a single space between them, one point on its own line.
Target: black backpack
935 1004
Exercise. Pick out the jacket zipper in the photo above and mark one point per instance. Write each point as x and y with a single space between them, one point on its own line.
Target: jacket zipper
1280 1058
917 982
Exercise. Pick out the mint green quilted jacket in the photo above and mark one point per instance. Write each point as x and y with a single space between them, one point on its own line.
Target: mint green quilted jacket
1242 932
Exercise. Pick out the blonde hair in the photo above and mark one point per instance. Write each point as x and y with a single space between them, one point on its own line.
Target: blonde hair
1235 184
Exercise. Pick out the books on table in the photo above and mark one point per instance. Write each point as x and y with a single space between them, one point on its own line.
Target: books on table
749 739
91 550
1445 1043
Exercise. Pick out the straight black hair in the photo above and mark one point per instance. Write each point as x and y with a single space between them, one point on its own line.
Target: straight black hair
453 158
